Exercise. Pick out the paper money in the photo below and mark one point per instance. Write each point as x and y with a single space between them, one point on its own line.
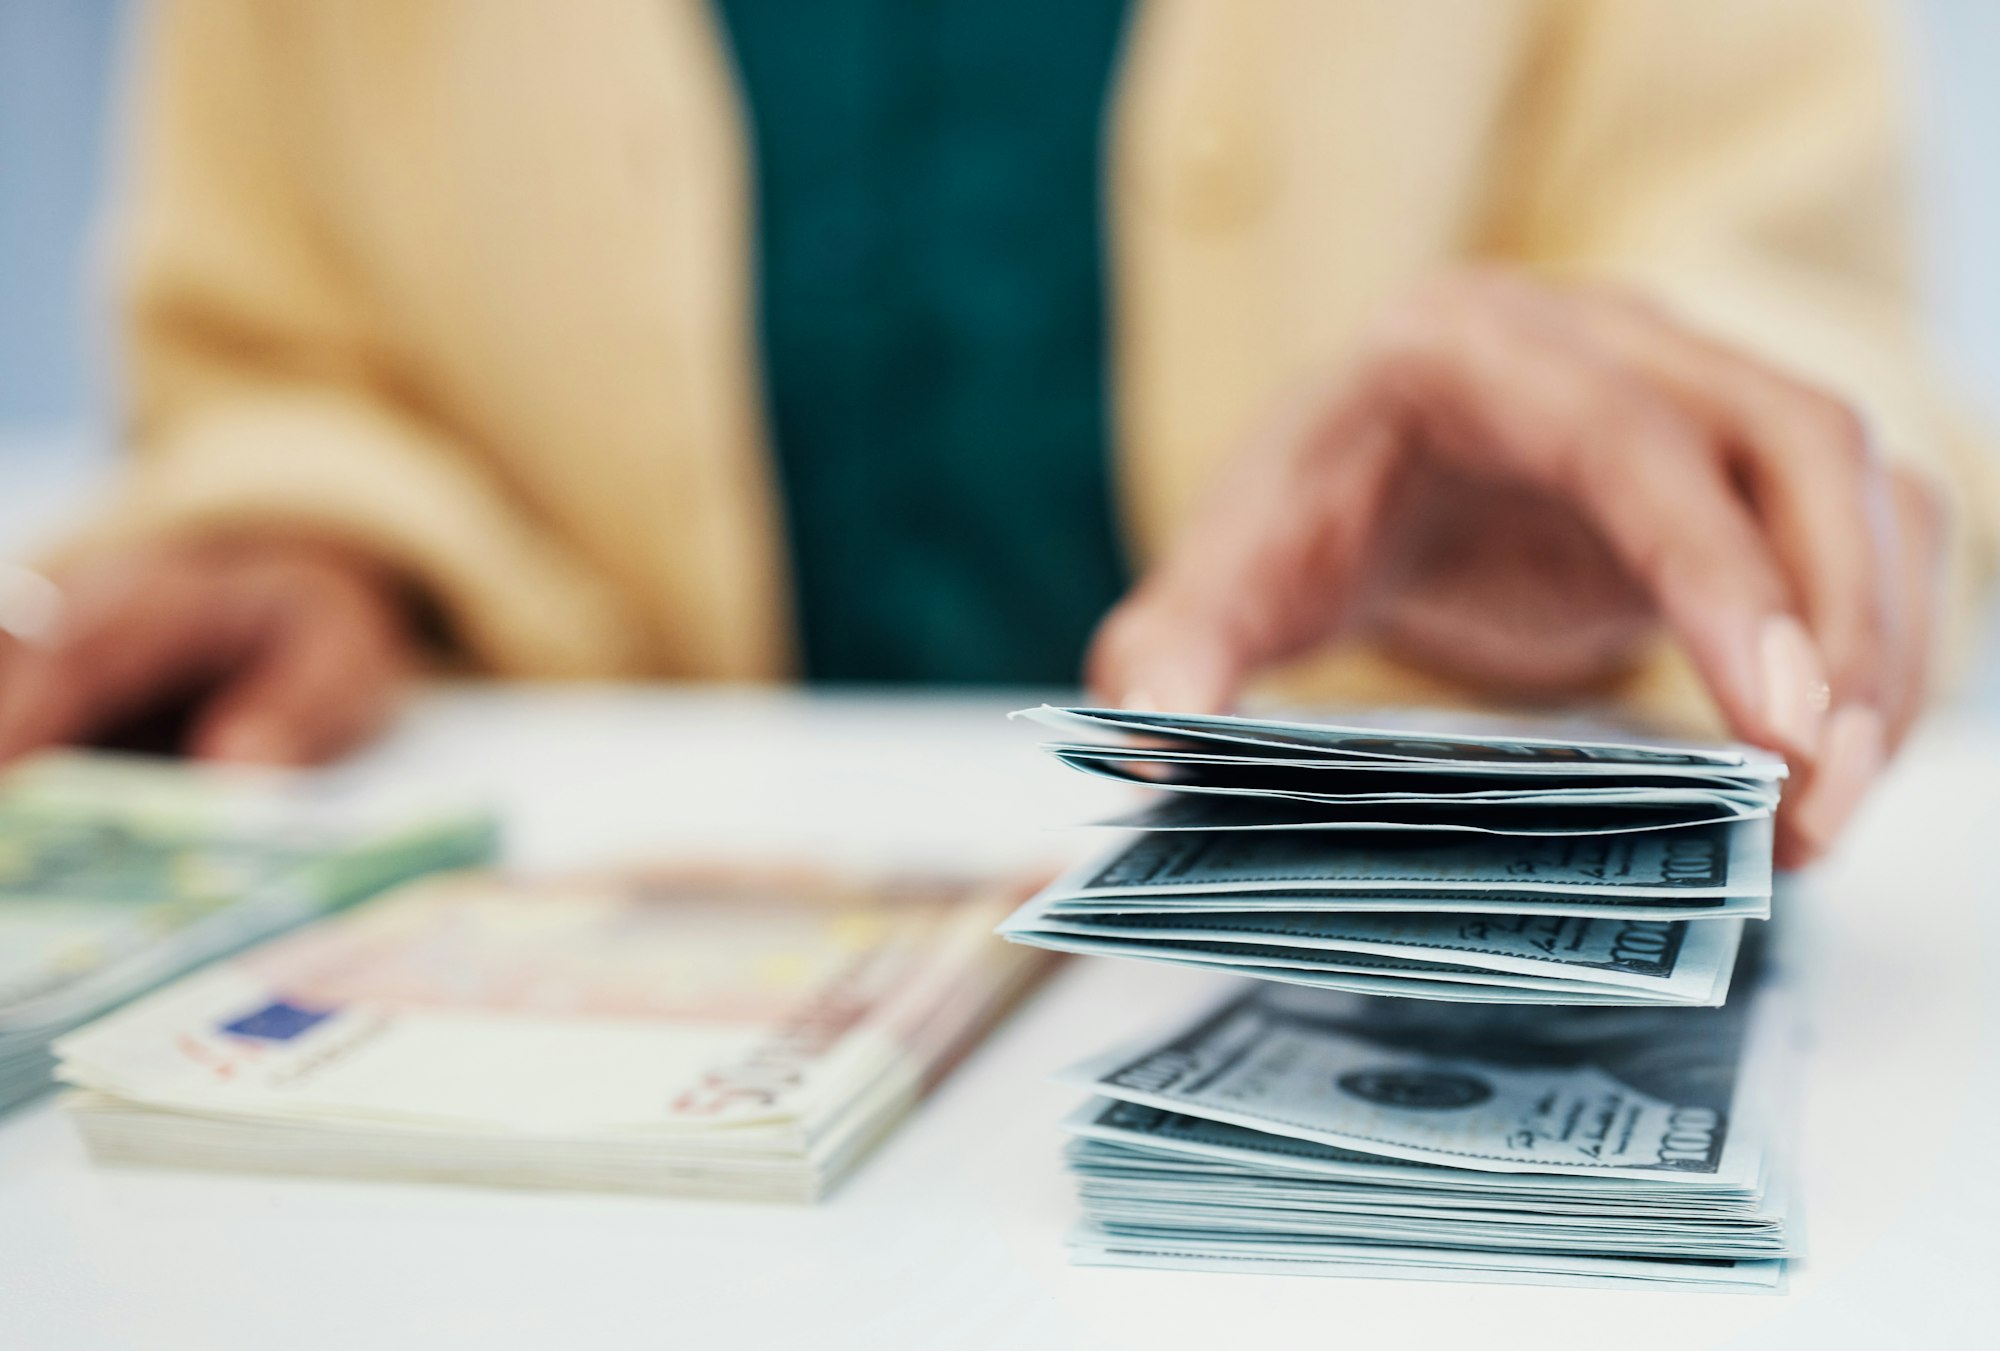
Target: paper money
1315 1133
1700 864
118 872
1428 861
1349 766
1425 736
1586 812
1557 1092
1506 958
696 1032
1608 1093
1588 920
1333 780
1113 1246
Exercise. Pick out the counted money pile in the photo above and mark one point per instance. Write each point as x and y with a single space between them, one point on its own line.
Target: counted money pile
1299 1131
700 1033
1421 861
117 873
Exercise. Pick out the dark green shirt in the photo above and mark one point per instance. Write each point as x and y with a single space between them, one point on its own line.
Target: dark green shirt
931 283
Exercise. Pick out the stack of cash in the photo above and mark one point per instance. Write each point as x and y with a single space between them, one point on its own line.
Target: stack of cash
1301 1131
694 1032
117 873
1422 860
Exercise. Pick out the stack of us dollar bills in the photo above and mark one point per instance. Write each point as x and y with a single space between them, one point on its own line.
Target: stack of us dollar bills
1553 866
699 1032
1317 1132
117 873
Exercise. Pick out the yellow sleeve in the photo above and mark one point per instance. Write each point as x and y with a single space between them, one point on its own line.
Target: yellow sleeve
260 393
1746 163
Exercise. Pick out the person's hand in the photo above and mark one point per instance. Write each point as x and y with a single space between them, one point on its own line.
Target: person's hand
278 652
1514 485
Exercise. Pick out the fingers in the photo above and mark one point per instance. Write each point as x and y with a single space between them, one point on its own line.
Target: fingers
1478 373
298 650
1861 736
1271 566
135 632
1809 470
1862 545
1507 587
320 685
1853 752
1508 389
1797 572
1918 537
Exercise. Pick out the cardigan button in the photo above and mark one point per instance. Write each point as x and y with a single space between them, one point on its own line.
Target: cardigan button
1223 183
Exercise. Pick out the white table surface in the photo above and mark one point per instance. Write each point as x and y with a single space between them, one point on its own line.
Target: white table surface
951 1235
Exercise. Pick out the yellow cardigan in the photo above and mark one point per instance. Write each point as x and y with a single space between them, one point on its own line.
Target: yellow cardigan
463 282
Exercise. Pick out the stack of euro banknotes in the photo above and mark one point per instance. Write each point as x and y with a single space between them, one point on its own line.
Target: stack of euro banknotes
1483 1035
118 873
727 1031
723 1033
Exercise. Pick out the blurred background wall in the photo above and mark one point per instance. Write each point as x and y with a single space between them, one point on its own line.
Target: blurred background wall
56 63
59 65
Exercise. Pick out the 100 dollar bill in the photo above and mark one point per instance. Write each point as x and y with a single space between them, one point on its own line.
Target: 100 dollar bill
1701 864
1644 1094
1503 958
1427 739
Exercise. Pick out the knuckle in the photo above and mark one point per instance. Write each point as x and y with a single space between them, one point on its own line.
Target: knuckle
88 640
1406 332
1481 286
1402 364
1439 323
1443 292
1111 646
1921 505
1860 638
1628 302
1437 310
1840 431
1630 432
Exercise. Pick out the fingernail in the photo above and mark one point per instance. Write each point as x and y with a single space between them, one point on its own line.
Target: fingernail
1795 688
1140 701
1850 757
